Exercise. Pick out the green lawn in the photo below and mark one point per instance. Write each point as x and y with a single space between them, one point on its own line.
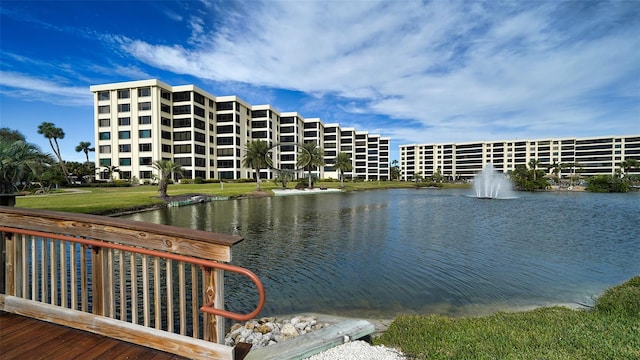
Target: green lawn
609 331
103 200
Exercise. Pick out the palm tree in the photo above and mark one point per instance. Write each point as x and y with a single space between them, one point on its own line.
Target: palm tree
394 170
342 164
557 169
110 170
255 157
165 168
18 161
629 164
533 164
85 146
310 157
53 133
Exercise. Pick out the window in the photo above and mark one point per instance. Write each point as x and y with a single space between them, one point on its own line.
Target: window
199 149
258 124
165 135
199 137
179 123
105 136
103 95
166 148
201 162
227 129
145 91
225 164
124 148
165 121
144 147
124 121
104 109
104 149
104 122
225 152
182 96
225 141
124 134
145 161
144 134
183 161
182 109
199 124
182 135
165 95
182 149
125 162
165 108
105 162
144 106
228 105
224 117
124 107
259 114
123 94
198 98
145 174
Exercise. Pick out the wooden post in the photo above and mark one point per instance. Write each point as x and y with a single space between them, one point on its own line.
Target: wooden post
9 264
97 281
209 295
5 200
219 303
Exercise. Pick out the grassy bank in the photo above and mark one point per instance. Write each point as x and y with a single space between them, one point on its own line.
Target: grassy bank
101 200
609 331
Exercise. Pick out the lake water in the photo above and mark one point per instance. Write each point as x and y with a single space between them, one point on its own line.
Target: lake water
378 254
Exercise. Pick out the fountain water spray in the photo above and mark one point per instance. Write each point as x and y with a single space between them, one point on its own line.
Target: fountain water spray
490 184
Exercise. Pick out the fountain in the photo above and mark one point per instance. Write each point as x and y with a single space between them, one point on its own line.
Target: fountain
490 184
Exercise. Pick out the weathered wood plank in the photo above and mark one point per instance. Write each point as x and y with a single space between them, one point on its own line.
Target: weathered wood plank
190 242
135 334
313 343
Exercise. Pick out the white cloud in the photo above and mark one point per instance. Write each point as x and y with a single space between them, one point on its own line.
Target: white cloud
461 69
27 87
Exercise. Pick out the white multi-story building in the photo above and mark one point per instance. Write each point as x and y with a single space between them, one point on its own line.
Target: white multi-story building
139 122
461 161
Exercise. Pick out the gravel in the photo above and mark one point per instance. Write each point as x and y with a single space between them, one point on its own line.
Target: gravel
359 350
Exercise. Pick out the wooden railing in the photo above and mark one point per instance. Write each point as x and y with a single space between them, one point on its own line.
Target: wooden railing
150 284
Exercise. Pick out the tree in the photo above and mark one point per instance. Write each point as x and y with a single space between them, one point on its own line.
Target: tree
342 164
110 170
18 163
556 167
284 176
255 157
10 135
394 171
165 168
310 157
533 164
53 133
85 147
629 164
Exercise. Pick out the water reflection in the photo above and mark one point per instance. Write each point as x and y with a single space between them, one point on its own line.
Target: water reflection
381 253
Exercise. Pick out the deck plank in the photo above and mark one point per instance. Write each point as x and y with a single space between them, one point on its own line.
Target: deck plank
26 338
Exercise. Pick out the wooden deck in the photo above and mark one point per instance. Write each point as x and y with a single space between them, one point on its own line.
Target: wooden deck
26 338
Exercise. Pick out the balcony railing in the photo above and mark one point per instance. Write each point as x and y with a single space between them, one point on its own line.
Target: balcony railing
150 284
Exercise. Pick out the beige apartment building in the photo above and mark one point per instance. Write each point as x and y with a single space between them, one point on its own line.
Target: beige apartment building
139 122
461 161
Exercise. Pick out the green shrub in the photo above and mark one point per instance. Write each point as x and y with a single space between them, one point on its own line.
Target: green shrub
198 180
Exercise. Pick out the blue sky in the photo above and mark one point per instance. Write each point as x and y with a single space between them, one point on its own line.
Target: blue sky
417 71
